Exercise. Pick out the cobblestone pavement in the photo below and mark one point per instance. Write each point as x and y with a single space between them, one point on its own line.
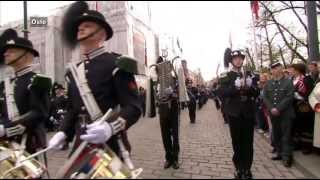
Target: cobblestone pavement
206 150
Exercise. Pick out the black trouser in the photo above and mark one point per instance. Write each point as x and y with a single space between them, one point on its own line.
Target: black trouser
282 136
242 130
192 111
224 114
216 100
169 123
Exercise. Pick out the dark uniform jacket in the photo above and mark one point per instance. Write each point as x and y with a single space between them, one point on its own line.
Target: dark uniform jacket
108 90
193 93
279 94
32 105
237 102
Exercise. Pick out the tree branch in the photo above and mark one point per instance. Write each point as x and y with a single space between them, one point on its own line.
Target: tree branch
299 18
282 57
282 34
287 30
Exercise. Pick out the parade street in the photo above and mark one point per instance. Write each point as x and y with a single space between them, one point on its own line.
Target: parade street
206 150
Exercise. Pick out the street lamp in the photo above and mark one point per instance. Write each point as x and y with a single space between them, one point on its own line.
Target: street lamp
25 18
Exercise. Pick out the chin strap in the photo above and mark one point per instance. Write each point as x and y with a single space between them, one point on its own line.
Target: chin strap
18 58
91 34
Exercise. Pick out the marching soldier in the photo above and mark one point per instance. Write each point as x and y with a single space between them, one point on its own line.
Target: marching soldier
192 105
222 99
24 97
169 124
239 94
278 97
110 80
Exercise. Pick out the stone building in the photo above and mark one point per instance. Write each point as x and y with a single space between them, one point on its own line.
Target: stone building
133 36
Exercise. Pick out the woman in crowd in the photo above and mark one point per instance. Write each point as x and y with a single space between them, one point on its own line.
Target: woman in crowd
304 122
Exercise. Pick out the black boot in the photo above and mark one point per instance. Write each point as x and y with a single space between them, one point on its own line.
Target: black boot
247 174
167 164
287 162
238 174
175 165
276 158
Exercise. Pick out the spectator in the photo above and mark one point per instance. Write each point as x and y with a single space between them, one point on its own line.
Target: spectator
142 94
313 70
278 97
304 121
261 117
314 100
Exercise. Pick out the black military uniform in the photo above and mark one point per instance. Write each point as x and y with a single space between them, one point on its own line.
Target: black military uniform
111 82
221 98
239 107
31 97
57 108
192 105
169 123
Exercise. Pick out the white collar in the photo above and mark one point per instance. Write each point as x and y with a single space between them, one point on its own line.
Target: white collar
24 71
94 53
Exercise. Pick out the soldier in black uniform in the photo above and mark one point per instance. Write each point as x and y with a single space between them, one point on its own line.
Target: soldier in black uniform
58 105
112 83
169 124
26 117
239 94
192 105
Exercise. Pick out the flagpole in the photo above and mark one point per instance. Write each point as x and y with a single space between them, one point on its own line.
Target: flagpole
255 56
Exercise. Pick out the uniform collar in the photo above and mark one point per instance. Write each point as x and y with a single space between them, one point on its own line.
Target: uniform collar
24 71
94 53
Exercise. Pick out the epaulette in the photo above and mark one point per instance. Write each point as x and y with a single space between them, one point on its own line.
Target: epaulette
116 54
224 78
41 83
127 64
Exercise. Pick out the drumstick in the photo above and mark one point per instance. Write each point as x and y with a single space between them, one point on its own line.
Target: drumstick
36 154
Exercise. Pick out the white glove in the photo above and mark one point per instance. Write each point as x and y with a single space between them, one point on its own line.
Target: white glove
249 81
98 132
60 111
237 83
57 140
15 130
168 91
2 131
298 96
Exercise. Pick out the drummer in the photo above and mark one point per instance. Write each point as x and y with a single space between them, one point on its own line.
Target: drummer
111 83
23 113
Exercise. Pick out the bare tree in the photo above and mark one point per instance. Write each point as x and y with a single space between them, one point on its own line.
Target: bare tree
290 39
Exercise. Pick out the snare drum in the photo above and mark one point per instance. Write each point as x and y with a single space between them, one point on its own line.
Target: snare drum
96 163
9 169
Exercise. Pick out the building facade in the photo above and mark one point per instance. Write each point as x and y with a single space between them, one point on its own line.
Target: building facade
133 36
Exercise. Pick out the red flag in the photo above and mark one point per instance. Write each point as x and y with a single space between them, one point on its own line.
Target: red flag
145 54
255 8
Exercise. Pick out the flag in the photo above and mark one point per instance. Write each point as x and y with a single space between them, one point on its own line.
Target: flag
145 53
230 40
255 8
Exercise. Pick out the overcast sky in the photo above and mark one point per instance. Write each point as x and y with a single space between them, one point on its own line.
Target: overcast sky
202 27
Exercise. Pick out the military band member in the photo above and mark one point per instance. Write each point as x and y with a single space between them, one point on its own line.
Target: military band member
239 94
111 83
24 102
169 124
192 105
278 97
